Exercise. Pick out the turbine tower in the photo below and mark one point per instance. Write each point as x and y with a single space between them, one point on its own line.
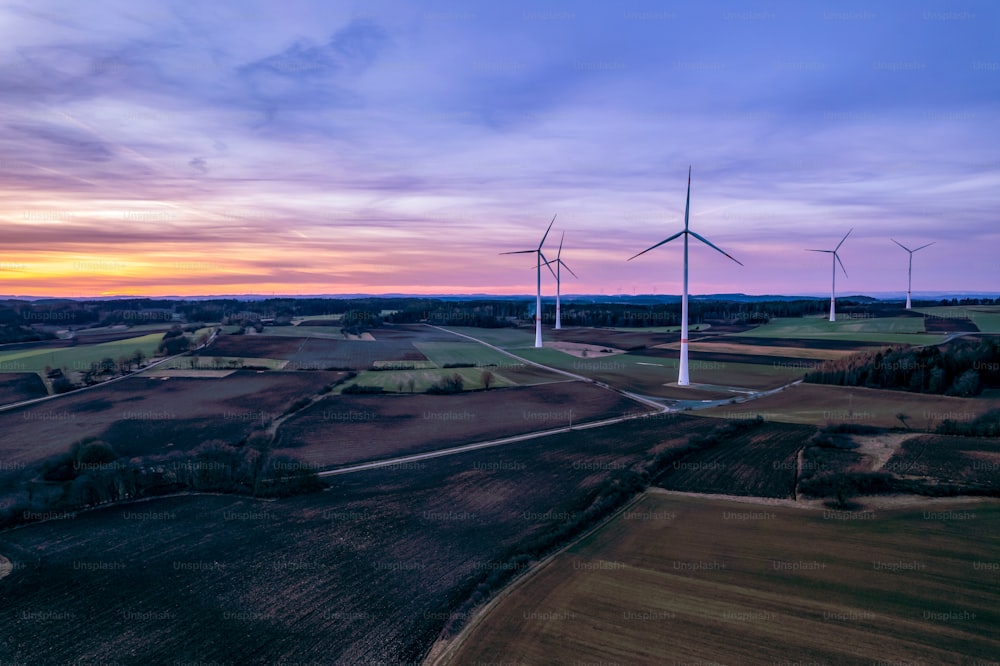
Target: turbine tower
836 260
559 266
682 377
538 295
909 273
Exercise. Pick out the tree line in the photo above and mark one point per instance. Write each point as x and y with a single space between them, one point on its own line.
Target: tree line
962 369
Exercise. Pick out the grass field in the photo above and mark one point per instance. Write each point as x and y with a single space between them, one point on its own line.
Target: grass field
328 332
460 351
690 580
905 330
78 357
820 404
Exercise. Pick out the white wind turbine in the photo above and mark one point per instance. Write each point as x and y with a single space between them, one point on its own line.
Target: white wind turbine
538 295
836 260
909 273
559 266
682 377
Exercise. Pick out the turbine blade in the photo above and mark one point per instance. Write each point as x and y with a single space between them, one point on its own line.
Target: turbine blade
548 264
520 252
843 239
679 233
547 232
706 242
819 250
923 246
902 246
837 257
561 239
568 268
687 203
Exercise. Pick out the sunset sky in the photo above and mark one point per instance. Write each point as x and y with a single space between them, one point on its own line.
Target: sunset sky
387 146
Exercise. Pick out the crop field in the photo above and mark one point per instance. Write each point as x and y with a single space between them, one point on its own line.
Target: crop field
78 357
973 461
18 386
680 579
254 346
759 463
140 415
986 317
368 572
820 404
423 378
627 339
506 338
342 429
217 361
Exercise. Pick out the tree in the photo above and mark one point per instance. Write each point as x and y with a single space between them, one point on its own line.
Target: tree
486 378
410 383
902 419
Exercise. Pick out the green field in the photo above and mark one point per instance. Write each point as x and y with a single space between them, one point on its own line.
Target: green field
905 330
77 358
678 579
461 351
501 337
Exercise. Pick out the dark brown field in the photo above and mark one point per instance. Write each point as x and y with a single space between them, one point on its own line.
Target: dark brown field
945 325
18 386
759 463
619 339
141 415
365 573
342 429
967 461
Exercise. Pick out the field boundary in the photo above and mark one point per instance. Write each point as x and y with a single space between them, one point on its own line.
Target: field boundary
440 653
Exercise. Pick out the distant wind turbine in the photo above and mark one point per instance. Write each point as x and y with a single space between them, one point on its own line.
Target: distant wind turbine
538 295
559 266
836 260
682 378
909 273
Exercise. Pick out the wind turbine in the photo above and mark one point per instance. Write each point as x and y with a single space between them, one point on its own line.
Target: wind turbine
538 296
836 260
559 266
909 273
682 377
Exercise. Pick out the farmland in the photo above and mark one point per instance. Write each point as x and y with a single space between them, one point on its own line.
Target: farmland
760 463
367 572
343 429
140 415
372 569
819 405
18 386
78 357
968 461
679 579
